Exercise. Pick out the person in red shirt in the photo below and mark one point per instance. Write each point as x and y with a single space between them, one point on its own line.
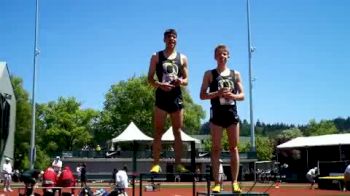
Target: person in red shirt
66 179
49 179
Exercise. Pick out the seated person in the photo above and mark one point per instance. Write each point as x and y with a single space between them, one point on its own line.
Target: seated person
29 178
66 179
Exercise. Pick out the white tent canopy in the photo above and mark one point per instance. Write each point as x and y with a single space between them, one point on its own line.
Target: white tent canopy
169 136
321 140
131 133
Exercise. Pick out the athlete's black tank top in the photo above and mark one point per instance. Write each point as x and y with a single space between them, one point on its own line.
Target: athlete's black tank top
167 70
219 82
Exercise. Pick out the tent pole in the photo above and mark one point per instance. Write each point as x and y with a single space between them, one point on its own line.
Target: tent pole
193 156
193 166
307 157
134 156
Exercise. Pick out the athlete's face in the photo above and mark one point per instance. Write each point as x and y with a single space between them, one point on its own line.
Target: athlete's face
221 56
170 40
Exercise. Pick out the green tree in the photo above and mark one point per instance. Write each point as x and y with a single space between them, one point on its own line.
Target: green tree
133 100
244 128
23 129
205 128
322 128
264 148
287 135
64 125
23 123
343 125
127 101
193 114
242 146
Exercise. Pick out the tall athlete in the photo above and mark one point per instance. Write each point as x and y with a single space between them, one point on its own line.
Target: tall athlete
225 88
167 72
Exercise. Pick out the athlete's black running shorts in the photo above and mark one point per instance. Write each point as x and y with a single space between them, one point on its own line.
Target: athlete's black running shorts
169 102
224 116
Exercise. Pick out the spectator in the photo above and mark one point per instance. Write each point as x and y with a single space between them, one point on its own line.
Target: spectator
113 176
311 176
86 150
118 151
86 191
98 150
111 149
7 171
177 178
16 176
49 179
29 178
122 180
66 179
57 165
78 170
198 175
83 178
101 192
221 174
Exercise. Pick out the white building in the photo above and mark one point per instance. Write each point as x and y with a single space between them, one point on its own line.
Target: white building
7 114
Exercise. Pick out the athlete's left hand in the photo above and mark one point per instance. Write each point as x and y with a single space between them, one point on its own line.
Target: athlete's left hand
177 82
228 95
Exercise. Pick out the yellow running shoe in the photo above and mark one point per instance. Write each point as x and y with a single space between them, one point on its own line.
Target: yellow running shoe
216 188
235 188
155 169
181 169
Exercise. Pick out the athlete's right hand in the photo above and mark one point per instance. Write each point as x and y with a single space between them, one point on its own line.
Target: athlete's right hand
166 86
223 91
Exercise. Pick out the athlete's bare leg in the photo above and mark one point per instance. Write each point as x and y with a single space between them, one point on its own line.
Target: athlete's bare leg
177 122
159 122
233 139
216 134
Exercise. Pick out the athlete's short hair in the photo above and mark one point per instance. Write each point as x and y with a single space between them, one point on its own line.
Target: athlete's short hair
221 46
170 31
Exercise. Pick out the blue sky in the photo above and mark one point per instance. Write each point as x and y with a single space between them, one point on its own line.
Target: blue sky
301 63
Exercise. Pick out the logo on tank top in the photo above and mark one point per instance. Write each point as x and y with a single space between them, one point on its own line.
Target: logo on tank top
170 71
226 82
